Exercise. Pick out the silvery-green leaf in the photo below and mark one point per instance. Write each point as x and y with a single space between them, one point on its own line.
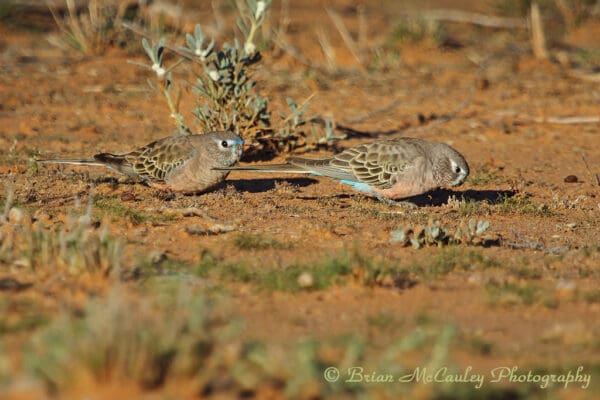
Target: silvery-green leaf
482 226
398 236
415 243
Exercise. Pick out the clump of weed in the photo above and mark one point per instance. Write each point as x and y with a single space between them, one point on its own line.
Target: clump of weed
77 246
113 207
415 30
94 30
521 204
509 294
468 207
434 234
225 86
126 338
338 269
483 176
512 294
309 276
449 259
248 241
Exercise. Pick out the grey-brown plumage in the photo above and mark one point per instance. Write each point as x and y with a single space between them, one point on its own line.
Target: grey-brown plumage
392 169
184 164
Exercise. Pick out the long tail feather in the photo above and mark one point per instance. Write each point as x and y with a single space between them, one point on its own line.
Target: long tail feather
73 162
287 168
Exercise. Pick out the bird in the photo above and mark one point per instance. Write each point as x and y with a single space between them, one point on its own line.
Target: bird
390 169
181 164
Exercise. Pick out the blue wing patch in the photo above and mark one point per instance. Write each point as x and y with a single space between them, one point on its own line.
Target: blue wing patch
360 186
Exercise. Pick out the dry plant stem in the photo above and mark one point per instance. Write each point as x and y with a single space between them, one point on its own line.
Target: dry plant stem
567 13
10 193
538 39
218 16
174 107
362 27
371 114
293 52
346 37
466 17
587 167
327 49
299 109
577 120
394 103
284 17
584 75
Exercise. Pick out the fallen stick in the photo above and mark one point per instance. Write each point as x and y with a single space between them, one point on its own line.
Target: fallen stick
466 17
577 120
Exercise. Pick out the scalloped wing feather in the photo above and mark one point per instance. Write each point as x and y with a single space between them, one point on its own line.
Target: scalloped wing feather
157 160
380 164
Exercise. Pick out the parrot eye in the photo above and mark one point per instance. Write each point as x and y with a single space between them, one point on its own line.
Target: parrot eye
457 170
224 143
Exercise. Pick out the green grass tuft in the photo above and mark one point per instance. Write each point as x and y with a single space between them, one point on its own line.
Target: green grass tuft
248 241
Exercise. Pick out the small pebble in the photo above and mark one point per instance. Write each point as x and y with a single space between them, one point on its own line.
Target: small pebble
571 179
306 280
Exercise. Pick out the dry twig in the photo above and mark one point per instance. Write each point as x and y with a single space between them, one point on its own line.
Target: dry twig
466 17
346 37
576 120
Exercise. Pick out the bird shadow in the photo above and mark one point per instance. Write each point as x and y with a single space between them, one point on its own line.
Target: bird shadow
264 185
441 196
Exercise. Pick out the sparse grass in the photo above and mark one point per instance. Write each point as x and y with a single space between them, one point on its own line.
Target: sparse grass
509 294
384 321
124 338
415 30
21 315
114 208
522 205
451 258
338 269
93 31
322 275
483 176
248 241
591 296
473 207
75 247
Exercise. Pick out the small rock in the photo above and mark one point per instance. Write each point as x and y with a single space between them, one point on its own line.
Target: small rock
306 280
571 179
571 225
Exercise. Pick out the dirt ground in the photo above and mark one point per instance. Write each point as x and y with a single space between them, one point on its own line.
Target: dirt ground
530 298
